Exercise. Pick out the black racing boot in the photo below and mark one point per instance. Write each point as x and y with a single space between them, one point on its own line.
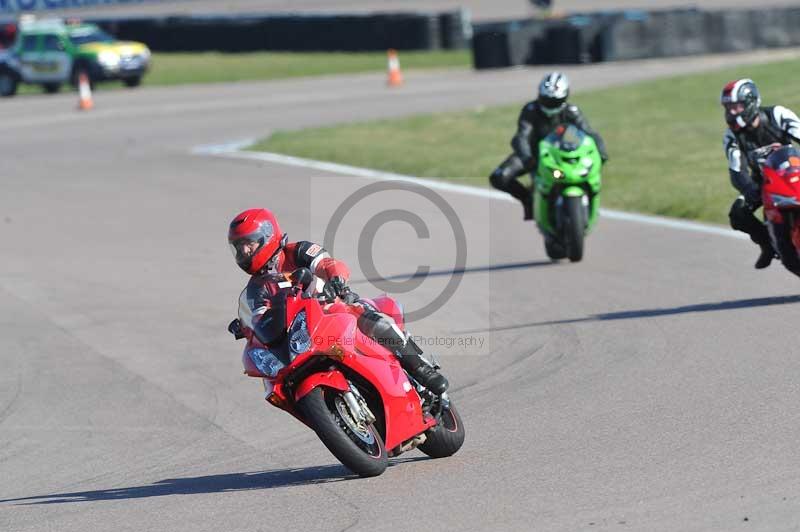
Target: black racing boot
527 206
765 259
742 219
431 379
423 372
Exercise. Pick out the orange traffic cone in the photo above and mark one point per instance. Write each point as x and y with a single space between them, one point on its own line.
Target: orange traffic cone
85 91
395 76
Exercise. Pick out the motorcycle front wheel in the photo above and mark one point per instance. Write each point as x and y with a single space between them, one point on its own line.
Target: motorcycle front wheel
574 228
356 445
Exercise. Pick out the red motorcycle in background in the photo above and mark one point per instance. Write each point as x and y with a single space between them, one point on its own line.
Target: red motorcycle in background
347 387
780 191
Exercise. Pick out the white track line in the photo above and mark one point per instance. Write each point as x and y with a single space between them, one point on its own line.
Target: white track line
234 150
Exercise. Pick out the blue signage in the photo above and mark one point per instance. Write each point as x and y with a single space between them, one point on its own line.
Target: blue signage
17 6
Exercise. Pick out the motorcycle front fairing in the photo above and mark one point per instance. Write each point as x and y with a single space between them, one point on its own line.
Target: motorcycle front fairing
569 164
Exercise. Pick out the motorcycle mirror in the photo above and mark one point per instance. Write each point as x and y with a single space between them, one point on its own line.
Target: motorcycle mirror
302 277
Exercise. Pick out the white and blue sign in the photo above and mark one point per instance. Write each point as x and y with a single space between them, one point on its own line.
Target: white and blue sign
27 6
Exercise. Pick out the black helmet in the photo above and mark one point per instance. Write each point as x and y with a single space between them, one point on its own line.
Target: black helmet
553 93
741 101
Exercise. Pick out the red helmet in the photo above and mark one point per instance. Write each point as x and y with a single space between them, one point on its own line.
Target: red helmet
255 239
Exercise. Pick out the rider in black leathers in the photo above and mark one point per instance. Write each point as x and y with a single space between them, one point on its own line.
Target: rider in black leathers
536 120
750 127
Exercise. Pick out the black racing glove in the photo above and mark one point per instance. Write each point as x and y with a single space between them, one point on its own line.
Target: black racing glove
337 287
235 328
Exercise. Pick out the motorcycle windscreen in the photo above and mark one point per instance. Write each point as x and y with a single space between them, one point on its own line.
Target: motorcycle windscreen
784 163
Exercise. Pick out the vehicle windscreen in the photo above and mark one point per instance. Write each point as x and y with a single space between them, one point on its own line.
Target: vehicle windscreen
89 35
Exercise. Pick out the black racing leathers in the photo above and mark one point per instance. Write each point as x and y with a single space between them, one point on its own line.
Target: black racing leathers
533 126
775 125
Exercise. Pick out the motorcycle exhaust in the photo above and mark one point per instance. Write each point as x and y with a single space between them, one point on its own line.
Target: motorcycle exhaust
413 443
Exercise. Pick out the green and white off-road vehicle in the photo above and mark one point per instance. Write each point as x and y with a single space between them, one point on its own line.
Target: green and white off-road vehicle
50 53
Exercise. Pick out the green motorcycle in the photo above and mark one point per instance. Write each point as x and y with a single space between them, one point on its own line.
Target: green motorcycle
567 191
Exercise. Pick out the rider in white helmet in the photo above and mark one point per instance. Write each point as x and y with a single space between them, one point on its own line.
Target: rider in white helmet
536 120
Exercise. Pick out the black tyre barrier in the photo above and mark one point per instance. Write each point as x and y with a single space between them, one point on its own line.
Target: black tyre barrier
777 27
680 32
730 31
576 40
642 35
627 37
455 29
507 44
287 32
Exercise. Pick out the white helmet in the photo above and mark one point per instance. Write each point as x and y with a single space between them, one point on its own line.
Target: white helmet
553 93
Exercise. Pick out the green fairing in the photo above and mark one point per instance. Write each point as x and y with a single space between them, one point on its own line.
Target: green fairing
569 166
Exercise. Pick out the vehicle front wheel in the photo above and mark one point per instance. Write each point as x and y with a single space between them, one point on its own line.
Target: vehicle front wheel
356 445
132 82
8 83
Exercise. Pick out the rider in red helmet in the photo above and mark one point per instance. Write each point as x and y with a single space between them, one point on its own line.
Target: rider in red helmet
262 250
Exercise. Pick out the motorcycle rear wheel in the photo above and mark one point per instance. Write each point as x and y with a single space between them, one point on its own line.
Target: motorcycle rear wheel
447 437
361 450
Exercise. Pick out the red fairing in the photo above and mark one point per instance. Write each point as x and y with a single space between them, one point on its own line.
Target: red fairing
338 353
781 174
402 409
329 268
389 306
330 379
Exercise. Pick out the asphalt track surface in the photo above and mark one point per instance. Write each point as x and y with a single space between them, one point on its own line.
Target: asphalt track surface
652 386
481 10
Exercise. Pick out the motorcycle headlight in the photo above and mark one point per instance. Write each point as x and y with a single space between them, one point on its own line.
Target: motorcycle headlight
266 361
299 337
558 174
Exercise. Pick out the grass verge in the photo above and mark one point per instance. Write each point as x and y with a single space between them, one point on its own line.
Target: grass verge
664 138
215 67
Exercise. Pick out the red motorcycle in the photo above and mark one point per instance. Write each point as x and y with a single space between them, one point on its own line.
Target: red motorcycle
780 191
346 386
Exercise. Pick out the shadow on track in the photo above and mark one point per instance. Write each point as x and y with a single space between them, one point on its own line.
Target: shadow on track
458 271
650 313
254 480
